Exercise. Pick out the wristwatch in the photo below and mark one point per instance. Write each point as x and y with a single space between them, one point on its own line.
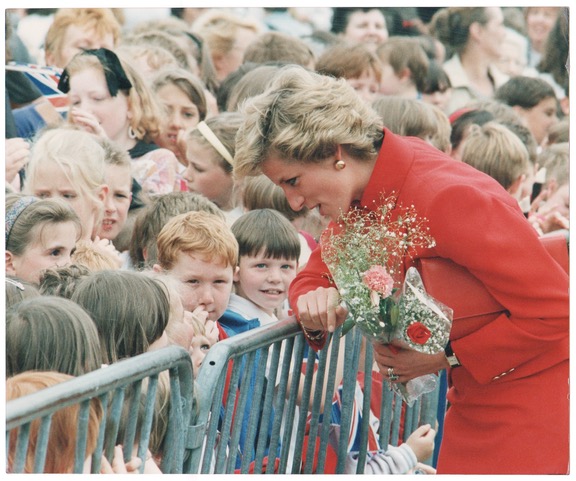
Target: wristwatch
450 356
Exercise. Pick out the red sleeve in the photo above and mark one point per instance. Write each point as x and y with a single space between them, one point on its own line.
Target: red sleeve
315 274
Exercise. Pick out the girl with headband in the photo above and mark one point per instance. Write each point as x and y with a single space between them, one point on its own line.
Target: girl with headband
40 233
108 97
210 151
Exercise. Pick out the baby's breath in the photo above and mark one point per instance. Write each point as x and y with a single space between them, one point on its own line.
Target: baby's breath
362 253
367 238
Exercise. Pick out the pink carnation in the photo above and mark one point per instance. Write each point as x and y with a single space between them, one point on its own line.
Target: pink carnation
377 279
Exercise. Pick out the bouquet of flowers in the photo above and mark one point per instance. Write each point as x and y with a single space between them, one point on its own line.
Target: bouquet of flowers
365 254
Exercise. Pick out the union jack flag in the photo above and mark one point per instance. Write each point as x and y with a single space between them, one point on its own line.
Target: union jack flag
46 79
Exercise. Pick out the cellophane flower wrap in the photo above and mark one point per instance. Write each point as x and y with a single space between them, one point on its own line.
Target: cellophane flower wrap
365 254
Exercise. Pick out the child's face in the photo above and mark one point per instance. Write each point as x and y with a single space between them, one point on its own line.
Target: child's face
440 98
390 83
205 175
180 114
117 202
205 283
264 280
90 101
52 248
511 60
199 347
540 118
366 85
51 181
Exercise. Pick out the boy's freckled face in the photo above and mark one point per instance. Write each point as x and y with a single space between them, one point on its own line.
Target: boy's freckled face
264 280
205 282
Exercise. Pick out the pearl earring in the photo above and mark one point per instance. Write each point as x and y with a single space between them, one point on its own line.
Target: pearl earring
340 164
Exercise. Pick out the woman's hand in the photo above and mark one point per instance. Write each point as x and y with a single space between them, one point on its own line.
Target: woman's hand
321 309
407 363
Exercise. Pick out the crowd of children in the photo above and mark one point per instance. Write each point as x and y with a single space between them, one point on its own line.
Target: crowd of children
123 181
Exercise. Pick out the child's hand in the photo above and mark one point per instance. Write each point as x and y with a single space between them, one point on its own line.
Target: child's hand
150 466
106 248
200 314
87 121
118 466
422 442
212 331
422 468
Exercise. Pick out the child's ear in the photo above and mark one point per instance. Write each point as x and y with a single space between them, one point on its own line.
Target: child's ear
156 268
514 188
236 275
405 74
10 269
102 192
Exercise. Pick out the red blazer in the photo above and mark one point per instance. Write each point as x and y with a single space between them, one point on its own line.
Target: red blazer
478 225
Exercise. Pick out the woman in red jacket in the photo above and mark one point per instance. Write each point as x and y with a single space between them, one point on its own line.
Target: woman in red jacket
314 137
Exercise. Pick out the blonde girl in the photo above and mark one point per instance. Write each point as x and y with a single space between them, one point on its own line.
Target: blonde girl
108 97
210 151
39 234
69 164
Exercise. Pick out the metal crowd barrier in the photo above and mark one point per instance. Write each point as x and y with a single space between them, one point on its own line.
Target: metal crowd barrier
261 369
109 384
257 406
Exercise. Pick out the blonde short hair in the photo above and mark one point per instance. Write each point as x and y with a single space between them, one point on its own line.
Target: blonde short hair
197 233
95 257
496 151
303 117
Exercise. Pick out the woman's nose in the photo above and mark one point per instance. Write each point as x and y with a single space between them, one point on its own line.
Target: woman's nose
296 201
